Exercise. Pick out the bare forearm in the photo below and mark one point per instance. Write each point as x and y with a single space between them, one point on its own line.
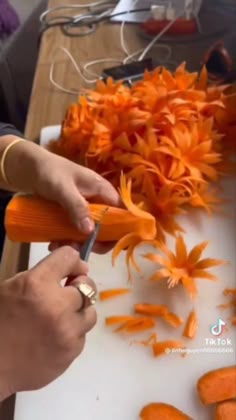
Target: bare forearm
23 162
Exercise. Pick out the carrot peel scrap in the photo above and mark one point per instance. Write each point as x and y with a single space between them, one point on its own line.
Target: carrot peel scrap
119 319
149 309
112 293
166 347
173 319
191 326
230 304
131 324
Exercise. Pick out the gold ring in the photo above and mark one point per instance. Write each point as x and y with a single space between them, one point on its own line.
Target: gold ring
87 292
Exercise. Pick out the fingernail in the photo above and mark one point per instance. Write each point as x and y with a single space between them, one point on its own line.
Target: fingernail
86 225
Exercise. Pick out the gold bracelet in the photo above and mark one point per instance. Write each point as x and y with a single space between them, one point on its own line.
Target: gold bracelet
4 155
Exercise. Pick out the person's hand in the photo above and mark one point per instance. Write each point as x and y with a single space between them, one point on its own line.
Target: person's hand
31 168
42 326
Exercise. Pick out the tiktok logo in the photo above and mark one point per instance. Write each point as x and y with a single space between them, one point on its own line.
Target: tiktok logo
218 328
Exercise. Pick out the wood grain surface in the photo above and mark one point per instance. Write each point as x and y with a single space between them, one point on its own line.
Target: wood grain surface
48 105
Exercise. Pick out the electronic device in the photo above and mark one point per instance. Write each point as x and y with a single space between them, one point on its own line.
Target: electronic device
129 73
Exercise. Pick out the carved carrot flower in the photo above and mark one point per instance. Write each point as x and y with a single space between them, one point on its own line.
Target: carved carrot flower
183 267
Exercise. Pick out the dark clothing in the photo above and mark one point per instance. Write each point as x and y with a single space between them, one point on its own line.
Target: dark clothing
6 129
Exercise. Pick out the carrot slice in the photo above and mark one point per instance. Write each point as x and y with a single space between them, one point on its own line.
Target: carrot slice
217 385
119 319
230 304
166 347
231 292
112 293
173 319
137 325
150 309
162 411
191 326
225 410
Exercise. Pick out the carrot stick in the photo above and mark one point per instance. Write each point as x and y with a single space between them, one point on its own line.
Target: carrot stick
165 347
225 410
191 326
112 293
137 325
173 319
162 411
217 385
120 319
149 309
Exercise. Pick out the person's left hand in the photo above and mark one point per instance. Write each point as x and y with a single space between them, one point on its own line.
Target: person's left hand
70 185
58 179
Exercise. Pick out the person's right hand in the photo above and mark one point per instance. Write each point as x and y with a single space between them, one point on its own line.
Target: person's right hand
42 326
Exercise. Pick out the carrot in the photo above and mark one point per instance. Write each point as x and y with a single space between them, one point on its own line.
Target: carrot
173 137
162 411
225 410
136 325
231 292
230 304
166 347
170 133
217 385
33 219
120 319
173 319
191 326
130 324
182 266
149 309
112 293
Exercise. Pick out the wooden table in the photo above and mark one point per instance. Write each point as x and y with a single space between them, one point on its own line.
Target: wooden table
48 105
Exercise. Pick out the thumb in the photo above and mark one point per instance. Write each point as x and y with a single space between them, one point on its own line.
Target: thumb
77 207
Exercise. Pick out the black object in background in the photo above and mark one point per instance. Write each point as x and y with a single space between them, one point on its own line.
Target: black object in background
128 72
220 60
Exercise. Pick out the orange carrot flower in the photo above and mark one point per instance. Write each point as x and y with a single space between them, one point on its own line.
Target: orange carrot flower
183 267
170 134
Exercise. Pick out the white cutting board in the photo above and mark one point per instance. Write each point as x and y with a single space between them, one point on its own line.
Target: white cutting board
113 380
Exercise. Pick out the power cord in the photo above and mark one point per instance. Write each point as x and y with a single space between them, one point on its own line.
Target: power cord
88 20
44 17
82 70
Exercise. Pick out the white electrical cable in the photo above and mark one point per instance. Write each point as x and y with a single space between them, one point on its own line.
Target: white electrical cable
159 35
99 61
78 70
85 68
122 38
74 7
160 46
122 29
